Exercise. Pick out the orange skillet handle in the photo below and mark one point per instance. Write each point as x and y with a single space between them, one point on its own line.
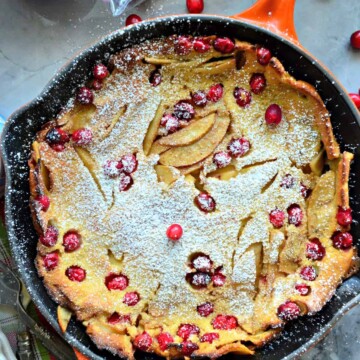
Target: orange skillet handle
274 15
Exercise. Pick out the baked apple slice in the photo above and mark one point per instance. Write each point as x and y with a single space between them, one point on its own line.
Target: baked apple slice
166 174
153 129
64 316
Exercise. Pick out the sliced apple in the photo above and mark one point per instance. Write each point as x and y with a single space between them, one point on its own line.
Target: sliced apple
156 148
64 316
216 67
159 61
166 174
192 168
191 133
225 173
190 179
153 129
78 117
318 162
191 154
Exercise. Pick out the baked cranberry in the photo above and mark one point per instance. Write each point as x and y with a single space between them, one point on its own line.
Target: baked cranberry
273 115
199 279
308 273
218 279
100 72
131 298
155 78
343 216
205 309
305 191
277 218
315 250
355 39
51 260
128 163
183 110
58 147
224 45
242 96
174 232
143 341
116 282
85 96
170 122
97 84
302 289
75 273
71 241
116 318
205 202
287 181
202 263
183 45
295 215
57 136
342 240
263 55
195 6
288 311
209 337
215 93
201 46
43 201
82 136
257 83
224 322
132 19
50 237
238 147
356 99
221 159
112 168
188 347
186 330
164 339
199 98
126 182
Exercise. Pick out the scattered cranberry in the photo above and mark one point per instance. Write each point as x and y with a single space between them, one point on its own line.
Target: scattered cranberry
183 110
116 318
131 298
100 72
205 202
305 191
221 159
75 273
112 168
205 309
199 98
195 6
164 339
183 45
143 341
209 337
132 19
171 123
238 147
218 279
199 279
174 232
287 181
57 136
126 182
295 215
356 99
308 273
128 163
288 311
71 241
343 216
215 93
58 147
97 84
85 96
188 347
51 260
302 289
186 330
82 136
263 56
224 322
116 282
155 78
242 97
355 39
201 46
257 83
315 250
273 115
224 45
50 237
43 201
277 218
342 240
202 263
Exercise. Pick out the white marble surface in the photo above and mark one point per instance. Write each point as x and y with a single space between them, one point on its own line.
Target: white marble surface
33 47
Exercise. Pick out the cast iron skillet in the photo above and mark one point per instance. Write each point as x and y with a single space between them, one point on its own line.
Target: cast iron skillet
22 126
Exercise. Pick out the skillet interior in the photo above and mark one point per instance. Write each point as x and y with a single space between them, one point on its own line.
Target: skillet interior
23 125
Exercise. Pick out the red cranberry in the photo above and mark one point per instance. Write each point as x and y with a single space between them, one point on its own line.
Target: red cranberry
221 159
183 45
58 147
116 282
195 6
257 83
97 84
75 273
295 215
242 97
183 110
308 273
288 311
277 218
199 98
50 237
188 347
205 309
155 78
132 19
224 45
85 96
356 99
126 182
71 241
209 337
112 168
51 260
205 202
100 72
174 232
224 322
170 122
287 181
199 279
215 93
355 39
273 115
201 46
43 201
302 289
116 318
164 339
315 250
218 278
57 136
238 147
128 163
263 56
342 240
305 191
82 136
202 263
186 330
131 298
143 341
343 216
